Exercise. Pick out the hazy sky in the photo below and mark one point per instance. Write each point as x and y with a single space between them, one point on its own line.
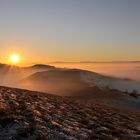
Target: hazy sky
70 30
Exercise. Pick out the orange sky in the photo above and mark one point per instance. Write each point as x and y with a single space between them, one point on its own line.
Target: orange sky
30 52
60 30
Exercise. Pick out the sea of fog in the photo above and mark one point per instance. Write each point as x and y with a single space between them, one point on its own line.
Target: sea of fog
122 70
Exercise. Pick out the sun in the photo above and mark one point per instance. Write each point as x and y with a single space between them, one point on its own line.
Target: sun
14 58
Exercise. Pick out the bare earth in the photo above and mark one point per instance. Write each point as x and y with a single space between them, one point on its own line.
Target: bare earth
29 115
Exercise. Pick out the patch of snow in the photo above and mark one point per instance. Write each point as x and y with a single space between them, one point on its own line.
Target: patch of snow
94 79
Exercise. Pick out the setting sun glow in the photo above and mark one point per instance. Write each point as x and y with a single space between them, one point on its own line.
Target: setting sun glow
14 58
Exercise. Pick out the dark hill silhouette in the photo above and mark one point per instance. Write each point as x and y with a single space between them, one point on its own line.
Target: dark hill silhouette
58 81
41 66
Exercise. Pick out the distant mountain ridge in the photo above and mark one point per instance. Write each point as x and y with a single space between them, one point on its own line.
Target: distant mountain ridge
96 62
32 66
41 66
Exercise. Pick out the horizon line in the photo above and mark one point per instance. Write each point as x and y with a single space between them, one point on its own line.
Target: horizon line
53 62
137 61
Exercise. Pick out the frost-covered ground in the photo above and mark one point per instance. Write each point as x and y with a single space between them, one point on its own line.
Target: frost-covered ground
28 115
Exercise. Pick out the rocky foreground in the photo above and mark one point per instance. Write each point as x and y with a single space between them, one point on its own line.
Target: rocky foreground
28 115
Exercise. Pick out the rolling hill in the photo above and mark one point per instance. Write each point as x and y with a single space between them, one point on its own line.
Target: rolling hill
69 81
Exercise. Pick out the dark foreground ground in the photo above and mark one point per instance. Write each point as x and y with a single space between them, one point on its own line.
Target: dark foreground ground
28 115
